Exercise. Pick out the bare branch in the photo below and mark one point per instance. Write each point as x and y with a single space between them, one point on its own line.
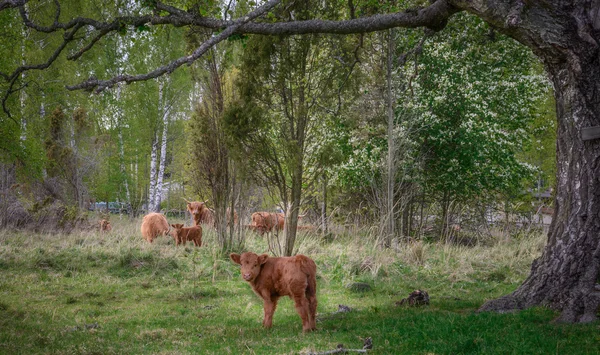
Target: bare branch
89 46
100 85
13 78
11 4
434 17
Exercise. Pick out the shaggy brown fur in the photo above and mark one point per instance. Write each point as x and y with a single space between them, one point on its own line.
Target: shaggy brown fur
200 213
104 225
272 278
265 222
153 225
204 215
183 235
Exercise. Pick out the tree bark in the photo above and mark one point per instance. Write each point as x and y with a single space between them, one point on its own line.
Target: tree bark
153 161
164 110
154 154
565 277
122 151
324 228
390 215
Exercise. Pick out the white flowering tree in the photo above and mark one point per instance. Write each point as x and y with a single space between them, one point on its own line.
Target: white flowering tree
462 117
476 107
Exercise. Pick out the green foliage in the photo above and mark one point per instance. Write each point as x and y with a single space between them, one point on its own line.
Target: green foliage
475 111
465 106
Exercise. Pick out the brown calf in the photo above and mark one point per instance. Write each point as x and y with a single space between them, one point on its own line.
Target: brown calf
104 225
153 225
190 234
272 278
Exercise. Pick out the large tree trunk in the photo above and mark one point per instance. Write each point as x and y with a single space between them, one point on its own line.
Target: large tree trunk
565 277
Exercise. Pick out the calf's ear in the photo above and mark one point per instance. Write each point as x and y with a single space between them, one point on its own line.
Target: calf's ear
235 258
262 259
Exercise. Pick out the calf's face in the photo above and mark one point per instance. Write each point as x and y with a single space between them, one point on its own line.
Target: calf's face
250 264
176 230
105 225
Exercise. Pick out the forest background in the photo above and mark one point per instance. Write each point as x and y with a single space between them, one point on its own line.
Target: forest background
413 133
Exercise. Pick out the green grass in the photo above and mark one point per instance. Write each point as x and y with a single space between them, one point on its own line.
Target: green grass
92 293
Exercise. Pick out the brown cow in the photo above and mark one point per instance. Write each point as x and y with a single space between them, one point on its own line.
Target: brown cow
201 213
204 215
272 278
265 222
183 235
104 225
153 225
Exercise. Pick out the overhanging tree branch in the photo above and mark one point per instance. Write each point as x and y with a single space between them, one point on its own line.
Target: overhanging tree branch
100 85
11 4
434 16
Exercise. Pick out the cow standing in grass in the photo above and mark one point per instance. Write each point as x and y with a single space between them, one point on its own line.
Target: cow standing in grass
154 225
266 222
273 277
182 234
201 213
204 215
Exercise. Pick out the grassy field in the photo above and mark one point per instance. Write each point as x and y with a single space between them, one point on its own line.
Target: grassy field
90 293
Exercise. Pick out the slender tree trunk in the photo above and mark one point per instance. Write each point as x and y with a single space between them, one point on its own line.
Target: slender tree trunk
152 187
122 149
291 216
324 207
154 156
23 93
298 132
163 149
389 216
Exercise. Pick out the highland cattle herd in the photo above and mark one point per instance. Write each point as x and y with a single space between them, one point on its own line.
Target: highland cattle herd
155 224
269 277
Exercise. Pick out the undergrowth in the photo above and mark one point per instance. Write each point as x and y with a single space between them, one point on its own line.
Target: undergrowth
115 293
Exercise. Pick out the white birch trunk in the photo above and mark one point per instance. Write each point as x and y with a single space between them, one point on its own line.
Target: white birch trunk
153 159
163 148
152 195
122 147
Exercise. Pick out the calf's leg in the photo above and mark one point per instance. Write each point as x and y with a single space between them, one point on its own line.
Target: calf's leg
270 305
302 307
312 310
